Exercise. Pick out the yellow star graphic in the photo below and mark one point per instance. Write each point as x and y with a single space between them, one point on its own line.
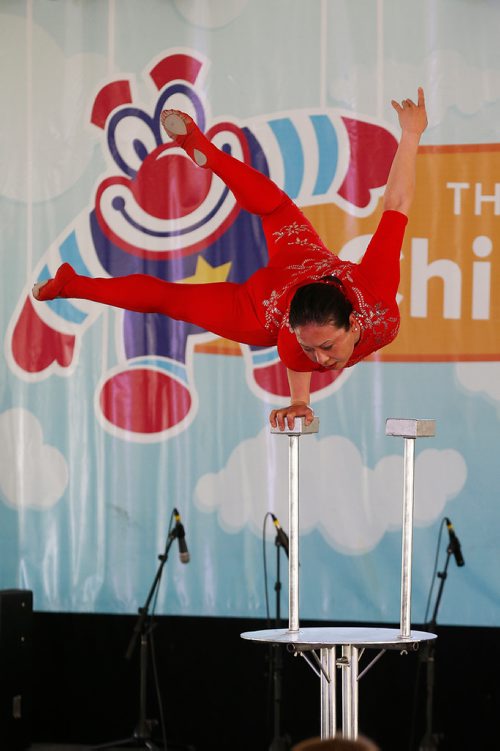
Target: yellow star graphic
205 273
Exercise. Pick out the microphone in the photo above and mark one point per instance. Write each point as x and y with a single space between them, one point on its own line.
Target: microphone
454 545
180 533
281 534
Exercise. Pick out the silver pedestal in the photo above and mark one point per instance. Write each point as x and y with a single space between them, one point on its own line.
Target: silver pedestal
352 641
299 429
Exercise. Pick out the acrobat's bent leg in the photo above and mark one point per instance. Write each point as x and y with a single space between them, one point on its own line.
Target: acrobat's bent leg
254 191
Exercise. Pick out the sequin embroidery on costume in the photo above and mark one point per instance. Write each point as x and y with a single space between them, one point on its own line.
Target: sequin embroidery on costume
374 320
308 271
311 269
291 230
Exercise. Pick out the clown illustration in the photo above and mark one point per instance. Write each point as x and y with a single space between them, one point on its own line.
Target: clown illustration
154 212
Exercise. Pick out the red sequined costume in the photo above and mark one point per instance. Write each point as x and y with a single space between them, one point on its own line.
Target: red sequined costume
256 312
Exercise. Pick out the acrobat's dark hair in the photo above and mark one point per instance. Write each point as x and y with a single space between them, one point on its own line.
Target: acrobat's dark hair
320 303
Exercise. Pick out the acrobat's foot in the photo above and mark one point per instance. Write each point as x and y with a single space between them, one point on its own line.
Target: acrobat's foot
52 288
184 131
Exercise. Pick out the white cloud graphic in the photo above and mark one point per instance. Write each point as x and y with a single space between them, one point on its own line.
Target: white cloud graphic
480 378
446 76
210 14
46 119
350 504
32 474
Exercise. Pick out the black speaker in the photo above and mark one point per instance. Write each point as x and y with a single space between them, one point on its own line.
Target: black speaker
16 627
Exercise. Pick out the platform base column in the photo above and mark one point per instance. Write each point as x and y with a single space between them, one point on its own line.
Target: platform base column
349 663
328 693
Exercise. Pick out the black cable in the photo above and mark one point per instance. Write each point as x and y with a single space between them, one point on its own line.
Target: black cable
420 662
433 580
158 693
270 654
264 556
153 652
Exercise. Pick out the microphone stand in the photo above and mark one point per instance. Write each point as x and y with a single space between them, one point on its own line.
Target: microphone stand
430 741
279 742
142 734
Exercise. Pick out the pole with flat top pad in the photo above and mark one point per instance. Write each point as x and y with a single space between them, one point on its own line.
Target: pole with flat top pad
410 430
299 428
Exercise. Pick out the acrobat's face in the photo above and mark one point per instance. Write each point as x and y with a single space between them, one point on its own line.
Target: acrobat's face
327 345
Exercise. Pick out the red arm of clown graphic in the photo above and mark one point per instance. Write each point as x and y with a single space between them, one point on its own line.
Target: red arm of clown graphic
44 340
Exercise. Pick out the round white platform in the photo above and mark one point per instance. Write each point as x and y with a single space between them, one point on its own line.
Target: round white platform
317 638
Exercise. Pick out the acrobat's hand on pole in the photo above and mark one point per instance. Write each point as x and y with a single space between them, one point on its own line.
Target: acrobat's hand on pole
284 418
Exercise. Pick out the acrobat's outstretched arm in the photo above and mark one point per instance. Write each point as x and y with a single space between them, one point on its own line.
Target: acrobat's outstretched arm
401 182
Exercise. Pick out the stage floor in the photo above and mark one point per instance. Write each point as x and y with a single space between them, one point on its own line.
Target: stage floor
69 747
66 747
72 747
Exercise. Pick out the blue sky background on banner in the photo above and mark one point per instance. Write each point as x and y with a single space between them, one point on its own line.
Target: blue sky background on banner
85 511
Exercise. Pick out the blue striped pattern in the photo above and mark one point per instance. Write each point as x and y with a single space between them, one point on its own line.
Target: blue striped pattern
70 253
292 153
176 369
265 357
328 150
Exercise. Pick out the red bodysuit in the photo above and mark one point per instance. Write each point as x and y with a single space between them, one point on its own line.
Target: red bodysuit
256 312
370 286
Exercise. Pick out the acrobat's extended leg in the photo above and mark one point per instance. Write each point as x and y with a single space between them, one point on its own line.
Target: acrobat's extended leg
224 308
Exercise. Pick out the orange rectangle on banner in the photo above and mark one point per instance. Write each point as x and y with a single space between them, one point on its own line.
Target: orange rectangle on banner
450 270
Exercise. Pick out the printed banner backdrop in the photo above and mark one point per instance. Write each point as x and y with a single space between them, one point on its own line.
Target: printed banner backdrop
110 420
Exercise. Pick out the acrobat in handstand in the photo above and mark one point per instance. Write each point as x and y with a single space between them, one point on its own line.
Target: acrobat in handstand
322 313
